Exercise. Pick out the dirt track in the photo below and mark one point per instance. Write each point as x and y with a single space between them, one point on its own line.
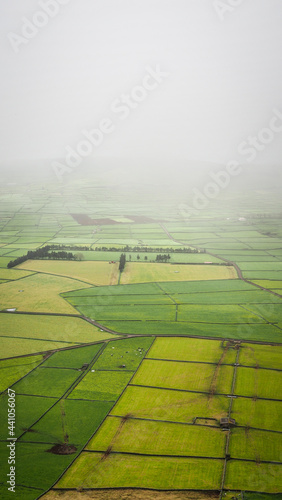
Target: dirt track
130 494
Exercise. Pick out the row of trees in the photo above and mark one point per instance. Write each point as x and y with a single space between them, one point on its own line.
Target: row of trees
142 249
45 253
162 258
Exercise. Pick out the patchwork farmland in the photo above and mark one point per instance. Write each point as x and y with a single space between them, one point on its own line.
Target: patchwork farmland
123 379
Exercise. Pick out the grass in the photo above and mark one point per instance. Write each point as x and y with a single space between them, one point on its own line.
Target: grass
101 385
258 413
96 273
158 438
272 285
39 293
174 406
28 410
141 273
119 471
42 383
258 383
12 370
73 358
253 477
184 349
23 333
265 356
128 352
256 445
77 420
216 314
35 467
185 376
13 274
140 312
257 331
13 346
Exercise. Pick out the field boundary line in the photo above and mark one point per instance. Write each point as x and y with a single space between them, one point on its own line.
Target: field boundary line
20 379
202 392
92 435
64 395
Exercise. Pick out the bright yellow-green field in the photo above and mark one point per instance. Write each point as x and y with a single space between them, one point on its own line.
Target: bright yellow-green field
158 438
184 376
23 333
13 274
252 444
265 356
177 406
95 272
251 476
39 293
162 473
12 370
182 349
262 383
140 272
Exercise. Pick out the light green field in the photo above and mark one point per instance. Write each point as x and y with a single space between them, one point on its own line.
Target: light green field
39 293
182 349
258 413
101 385
173 406
258 382
265 356
12 370
184 376
216 314
96 273
139 272
158 438
272 285
118 471
23 333
257 445
253 476
13 274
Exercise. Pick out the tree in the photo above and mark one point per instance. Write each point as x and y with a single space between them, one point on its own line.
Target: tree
138 257
122 261
145 258
78 256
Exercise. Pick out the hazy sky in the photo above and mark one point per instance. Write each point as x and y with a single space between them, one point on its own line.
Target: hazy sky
223 77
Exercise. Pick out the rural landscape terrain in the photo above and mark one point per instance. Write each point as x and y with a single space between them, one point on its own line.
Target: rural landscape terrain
143 343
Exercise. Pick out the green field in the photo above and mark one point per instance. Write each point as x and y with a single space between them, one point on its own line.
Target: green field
12 370
31 334
158 438
142 472
146 272
184 376
96 273
142 411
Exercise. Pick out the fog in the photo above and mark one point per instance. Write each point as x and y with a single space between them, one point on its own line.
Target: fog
155 87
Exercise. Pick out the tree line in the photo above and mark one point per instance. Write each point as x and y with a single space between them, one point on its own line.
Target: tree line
44 253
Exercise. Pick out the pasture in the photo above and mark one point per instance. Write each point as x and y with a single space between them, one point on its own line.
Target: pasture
142 412
95 273
139 272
